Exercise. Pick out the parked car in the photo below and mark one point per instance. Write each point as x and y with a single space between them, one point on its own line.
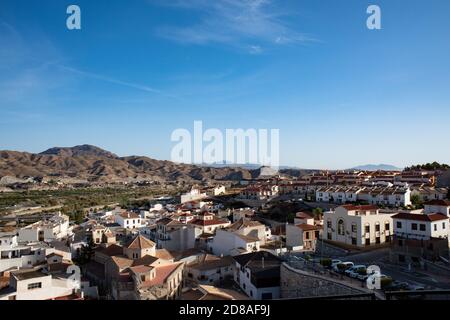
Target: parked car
355 270
341 267
398 286
416 287
334 262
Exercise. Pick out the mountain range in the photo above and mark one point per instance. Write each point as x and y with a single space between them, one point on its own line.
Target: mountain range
377 167
92 164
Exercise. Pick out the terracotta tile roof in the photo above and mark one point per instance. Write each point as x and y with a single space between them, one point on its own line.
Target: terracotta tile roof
141 269
444 203
351 207
145 261
141 242
122 262
212 264
420 217
304 215
112 250
162 273
164 254
211 222
129 215
243 223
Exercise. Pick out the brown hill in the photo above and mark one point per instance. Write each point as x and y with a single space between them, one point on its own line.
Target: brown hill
94 164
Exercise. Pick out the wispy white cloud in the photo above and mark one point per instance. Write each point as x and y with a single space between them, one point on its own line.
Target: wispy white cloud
251 25
114 81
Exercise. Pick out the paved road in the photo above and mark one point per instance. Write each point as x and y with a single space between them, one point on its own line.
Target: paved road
415 277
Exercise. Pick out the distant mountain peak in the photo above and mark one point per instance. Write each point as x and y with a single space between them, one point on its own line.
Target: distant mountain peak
376 167
81 150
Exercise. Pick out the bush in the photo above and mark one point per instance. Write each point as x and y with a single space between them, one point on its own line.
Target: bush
385 282
325 262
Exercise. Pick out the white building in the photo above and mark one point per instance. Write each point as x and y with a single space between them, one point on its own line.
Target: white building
209 269
54 228
129 220
421 226
358 225
430 193
438 206
33 284
258 275
229 243
338 194
14 255
175 235
209 223
194 195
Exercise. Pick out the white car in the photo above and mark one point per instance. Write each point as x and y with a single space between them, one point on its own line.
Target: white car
355 270
341 267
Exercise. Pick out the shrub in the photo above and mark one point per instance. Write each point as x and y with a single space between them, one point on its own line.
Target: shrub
385 282
325 262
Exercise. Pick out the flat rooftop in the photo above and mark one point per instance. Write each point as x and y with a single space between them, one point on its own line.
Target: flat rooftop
28 274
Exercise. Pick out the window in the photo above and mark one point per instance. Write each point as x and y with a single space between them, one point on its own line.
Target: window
367 242
341 227
423 227
443 225
354 241
387 226
307 236
377 240
329 224
435 227
414 226
353 227
36 285
367 228
399 225
329 236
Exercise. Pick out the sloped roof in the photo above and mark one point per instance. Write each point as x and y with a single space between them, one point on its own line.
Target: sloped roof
162 273
243 223
443 203
141 242
420 217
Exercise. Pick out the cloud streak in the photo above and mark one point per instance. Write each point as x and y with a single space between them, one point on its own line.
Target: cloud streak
251 25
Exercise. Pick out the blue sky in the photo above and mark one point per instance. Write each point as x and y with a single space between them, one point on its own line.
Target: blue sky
340 94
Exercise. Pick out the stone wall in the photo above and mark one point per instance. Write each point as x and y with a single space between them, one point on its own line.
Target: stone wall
301 284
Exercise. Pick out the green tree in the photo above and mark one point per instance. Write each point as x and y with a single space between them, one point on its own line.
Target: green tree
416 201
86 252
318 213
290 217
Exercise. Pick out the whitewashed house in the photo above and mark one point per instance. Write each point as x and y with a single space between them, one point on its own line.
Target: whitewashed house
358 225
54 228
